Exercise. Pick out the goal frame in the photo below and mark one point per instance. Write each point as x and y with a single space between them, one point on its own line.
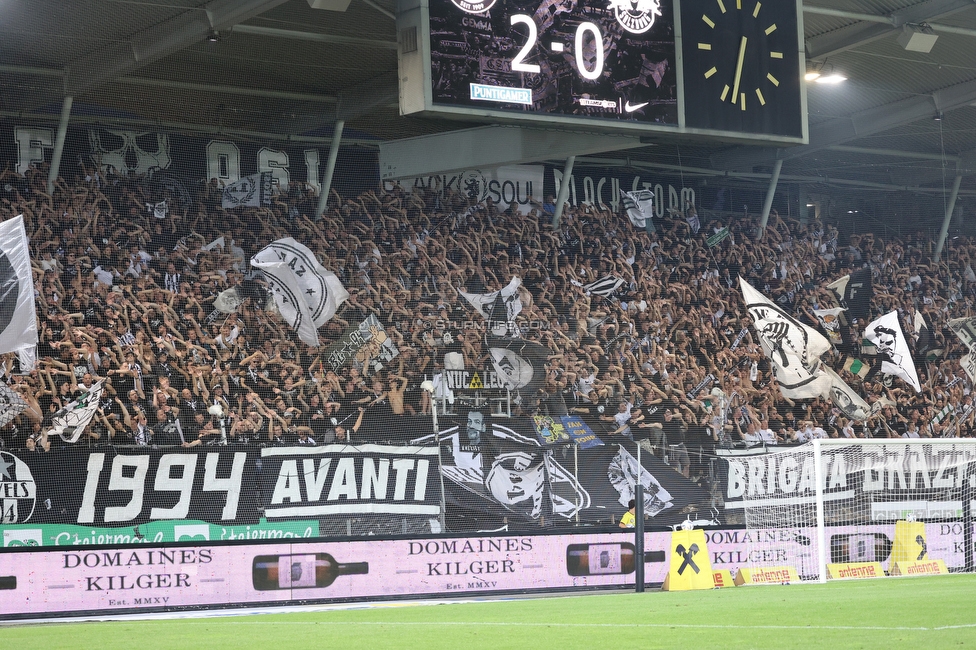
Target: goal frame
819 445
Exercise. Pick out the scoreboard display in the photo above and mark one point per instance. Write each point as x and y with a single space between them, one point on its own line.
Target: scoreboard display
613 65
582 57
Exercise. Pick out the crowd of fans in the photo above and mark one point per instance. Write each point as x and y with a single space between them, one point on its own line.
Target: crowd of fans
125 296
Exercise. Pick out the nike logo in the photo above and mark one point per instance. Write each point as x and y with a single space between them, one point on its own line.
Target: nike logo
630 108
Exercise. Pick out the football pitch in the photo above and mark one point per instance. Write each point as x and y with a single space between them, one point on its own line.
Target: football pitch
884 613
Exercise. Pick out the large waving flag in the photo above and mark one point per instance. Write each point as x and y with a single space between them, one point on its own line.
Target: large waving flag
605 286
70 421
18 321
521 364
639 206
830 322
896 359
306 294
484 303
793 348
843 396
854 292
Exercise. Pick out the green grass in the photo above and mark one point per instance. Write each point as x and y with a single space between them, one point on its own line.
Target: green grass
936 612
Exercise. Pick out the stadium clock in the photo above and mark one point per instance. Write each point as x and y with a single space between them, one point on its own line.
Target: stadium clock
742 66
599 59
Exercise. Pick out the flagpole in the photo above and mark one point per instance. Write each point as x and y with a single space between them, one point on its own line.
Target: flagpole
639 527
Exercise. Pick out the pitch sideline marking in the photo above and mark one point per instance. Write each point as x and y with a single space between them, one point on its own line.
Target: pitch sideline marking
870 628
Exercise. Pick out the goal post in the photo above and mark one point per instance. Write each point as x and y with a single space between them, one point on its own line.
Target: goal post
834 501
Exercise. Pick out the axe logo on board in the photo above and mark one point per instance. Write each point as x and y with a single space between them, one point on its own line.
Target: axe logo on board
18 492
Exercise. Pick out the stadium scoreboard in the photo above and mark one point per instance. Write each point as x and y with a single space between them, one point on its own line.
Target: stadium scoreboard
721 68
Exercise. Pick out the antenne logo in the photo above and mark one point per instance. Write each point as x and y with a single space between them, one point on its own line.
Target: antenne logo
636 16
474 6
18 492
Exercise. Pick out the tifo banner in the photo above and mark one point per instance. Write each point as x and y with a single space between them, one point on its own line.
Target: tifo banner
606 187
75 486
499 468
518 184
344 480
179 163
891 481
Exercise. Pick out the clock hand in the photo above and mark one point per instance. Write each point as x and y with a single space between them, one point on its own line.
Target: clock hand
738 71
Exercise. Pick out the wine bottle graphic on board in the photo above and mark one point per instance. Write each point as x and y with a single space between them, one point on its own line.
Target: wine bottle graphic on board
300 571
605 559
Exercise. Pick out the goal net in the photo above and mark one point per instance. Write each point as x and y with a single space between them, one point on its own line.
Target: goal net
838 501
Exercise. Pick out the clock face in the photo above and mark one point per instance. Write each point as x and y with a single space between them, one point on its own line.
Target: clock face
742 66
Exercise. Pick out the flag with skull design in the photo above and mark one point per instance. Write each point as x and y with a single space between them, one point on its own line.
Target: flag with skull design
793 348
889 341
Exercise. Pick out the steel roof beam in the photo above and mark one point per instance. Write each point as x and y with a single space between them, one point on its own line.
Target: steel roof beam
861 124
118 59
861 32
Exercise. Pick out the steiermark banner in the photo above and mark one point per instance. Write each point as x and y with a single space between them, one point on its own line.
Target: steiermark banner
151 533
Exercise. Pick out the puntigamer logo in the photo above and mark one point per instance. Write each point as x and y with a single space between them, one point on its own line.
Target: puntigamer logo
18 492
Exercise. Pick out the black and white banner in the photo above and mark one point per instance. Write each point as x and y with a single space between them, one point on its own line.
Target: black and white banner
639 206
518 185
854 292
605 286
343 480
500 469
868 482
118 487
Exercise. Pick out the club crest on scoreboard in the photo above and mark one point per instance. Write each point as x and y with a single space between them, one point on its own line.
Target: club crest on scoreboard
478 7
636 16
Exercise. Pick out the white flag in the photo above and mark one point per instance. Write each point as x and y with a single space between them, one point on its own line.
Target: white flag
969 365
306 294
251 191
830 321
18 321
896 358
843 396
70 421
219 242
605 286
793 348
485 302
639 206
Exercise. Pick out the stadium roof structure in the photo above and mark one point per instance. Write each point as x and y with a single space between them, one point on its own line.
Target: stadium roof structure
904 119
